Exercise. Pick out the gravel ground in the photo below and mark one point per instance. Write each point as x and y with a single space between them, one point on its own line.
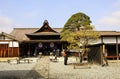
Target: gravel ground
60 71
46 69
15 71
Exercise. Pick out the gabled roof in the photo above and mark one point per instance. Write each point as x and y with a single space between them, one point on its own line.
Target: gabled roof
8 35
45 28
20 33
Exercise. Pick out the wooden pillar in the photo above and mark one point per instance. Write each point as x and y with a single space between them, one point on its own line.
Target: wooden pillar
18 50
0 53
8 49
62 45
4 50
102 52
117 54
102 49
12 49
28 49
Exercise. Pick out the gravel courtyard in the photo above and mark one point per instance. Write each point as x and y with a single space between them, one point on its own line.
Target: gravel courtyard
46 69
60 71
15 71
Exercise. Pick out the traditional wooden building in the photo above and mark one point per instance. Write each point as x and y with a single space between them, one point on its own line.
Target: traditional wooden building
108 44
35 40
9 46
30 41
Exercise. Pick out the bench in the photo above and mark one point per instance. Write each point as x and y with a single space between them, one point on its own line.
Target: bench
18 61
13 61
25 61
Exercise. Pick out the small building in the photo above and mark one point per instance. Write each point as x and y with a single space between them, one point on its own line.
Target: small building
9 46
108 44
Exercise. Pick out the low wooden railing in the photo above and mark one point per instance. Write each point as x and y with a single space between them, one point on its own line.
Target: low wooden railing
113 57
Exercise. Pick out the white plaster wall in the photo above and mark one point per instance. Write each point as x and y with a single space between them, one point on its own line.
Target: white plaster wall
118 39
14 44
4 42
96 42
7 39
109 39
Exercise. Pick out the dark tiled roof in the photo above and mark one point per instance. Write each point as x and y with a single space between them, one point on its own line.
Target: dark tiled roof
44 33
20 33
109 33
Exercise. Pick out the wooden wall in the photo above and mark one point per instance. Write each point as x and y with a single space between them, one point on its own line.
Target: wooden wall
6 51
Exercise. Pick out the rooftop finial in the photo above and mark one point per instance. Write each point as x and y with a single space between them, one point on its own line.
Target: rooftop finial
45 21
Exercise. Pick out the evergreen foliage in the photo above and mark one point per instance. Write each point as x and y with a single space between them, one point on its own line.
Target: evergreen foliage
79 32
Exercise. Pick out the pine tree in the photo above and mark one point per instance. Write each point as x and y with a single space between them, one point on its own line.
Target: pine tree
79 33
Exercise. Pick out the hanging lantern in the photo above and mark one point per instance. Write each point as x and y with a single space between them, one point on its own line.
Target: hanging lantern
40 45
51 44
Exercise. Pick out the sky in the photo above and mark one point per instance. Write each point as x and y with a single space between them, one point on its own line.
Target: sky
104 14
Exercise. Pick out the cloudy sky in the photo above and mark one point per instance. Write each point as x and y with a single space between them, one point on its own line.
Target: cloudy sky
105 14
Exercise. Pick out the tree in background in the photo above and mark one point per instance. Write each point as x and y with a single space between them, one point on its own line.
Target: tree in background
78 32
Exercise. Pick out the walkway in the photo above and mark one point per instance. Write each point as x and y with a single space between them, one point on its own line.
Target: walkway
40 70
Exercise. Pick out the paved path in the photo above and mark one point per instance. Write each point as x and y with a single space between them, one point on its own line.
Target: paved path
40 70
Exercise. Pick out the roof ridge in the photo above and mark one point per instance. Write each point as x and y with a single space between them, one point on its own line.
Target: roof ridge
25 28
